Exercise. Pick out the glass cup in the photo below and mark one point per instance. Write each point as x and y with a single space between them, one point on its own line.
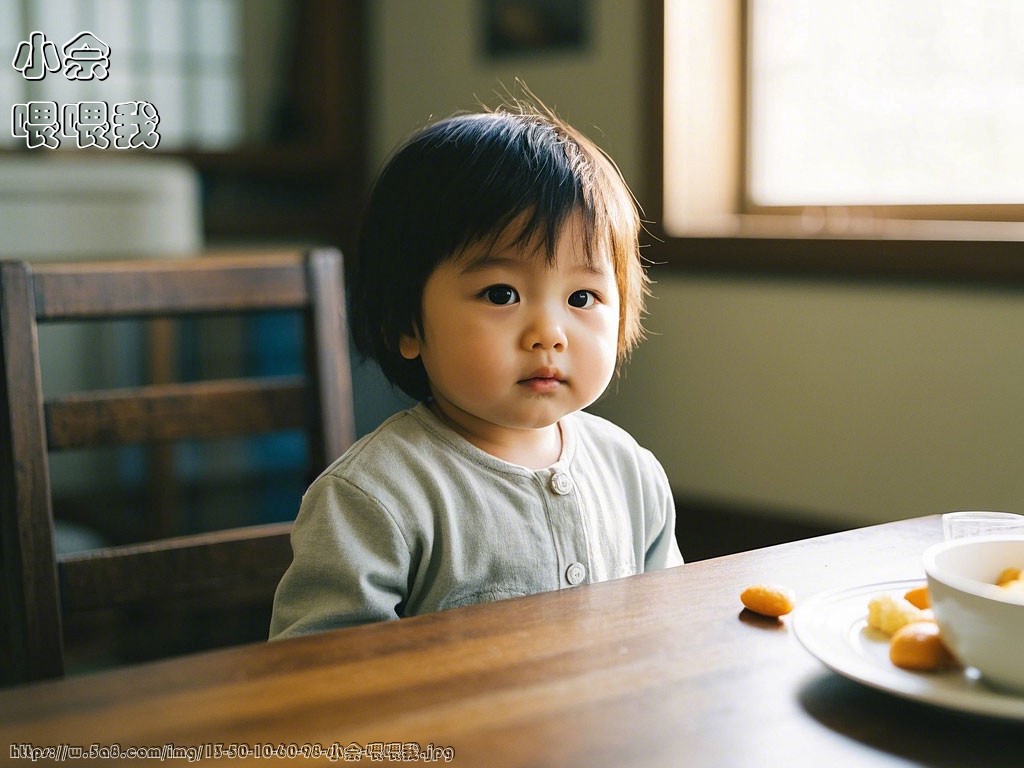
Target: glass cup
961 525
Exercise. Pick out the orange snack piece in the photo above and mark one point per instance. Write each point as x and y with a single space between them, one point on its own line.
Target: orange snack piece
919 597
918 646
1008 575
768 599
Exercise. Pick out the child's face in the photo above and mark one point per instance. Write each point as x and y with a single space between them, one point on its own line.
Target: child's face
513 343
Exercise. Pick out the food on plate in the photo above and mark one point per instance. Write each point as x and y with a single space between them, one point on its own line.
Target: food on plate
919 597
768 599
887 613
914 639
1011 579
1008 575
918 646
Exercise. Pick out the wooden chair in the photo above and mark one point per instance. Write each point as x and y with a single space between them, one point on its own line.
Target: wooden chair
41 590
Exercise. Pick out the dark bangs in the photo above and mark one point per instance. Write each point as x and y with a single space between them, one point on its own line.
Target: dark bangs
485 171
519 169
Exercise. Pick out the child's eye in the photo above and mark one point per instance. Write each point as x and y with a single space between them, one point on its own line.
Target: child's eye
582 299
501 295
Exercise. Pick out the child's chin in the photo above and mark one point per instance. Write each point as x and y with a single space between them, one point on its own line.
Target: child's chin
541 418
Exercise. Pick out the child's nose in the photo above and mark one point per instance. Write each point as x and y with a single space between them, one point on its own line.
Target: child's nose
545 332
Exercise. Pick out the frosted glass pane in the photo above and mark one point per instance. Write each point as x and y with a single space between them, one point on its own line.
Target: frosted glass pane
881 102
114 27
164 28
219 123
56 87
218 27
12 91
10 30
166 93
58 20
121 85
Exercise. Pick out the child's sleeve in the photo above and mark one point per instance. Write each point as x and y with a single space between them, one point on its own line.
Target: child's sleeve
662 546
350 563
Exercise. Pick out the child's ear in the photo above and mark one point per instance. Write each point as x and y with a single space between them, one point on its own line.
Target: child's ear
409 346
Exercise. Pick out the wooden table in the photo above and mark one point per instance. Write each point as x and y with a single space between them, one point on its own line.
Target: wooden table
663 669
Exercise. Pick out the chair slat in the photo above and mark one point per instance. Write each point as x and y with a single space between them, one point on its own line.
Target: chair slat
154 287
235 563
168 412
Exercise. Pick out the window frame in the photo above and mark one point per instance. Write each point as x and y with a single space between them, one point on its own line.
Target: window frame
776 241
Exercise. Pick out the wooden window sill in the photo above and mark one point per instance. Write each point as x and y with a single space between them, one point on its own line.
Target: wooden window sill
990 253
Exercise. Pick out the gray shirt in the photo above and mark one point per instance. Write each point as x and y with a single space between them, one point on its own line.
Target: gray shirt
414 518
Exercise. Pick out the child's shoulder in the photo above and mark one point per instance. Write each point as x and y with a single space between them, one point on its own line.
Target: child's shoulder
598 430
612 449
400 435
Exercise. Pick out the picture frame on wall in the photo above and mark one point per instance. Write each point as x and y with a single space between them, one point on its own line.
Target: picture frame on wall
532 27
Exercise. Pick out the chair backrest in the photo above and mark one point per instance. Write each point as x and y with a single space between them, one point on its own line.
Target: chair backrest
41 589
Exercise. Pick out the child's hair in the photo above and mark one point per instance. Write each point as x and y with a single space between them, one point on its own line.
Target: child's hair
465 180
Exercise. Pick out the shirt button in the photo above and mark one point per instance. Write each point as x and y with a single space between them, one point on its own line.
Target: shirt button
576 573
561 483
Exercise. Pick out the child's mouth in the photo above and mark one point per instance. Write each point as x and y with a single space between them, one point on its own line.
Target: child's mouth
542 384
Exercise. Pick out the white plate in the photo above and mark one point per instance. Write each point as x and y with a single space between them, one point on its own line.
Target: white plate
833 627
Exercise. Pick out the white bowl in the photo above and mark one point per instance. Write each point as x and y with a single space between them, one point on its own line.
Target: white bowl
983 624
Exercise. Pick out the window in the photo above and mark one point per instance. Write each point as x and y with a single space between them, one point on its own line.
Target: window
841 114
184 58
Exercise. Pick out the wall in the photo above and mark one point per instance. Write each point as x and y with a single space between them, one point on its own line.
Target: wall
844 402
859 403
427 62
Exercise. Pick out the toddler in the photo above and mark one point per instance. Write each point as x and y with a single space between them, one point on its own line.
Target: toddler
499 284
